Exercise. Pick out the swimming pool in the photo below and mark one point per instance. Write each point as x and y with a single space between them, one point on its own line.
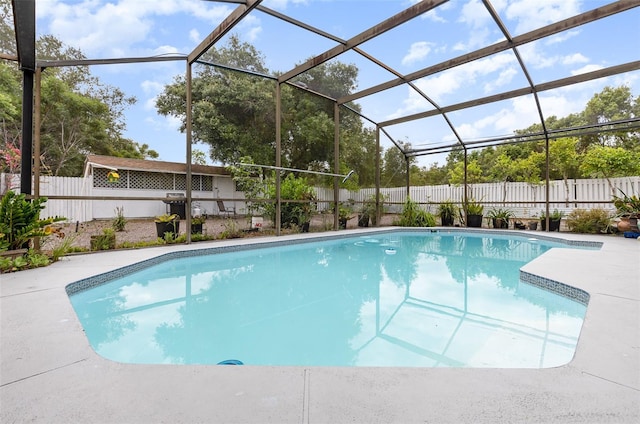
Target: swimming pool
407 298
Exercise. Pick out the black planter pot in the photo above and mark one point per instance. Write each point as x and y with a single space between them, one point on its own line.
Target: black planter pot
363 220
446 220
305 227
554 225
196 228
474 221
167 227
500 223
342 223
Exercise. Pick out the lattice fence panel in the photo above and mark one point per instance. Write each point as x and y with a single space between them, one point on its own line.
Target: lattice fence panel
100 179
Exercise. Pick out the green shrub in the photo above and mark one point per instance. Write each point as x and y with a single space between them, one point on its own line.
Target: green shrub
6 264
413 216
119 222
291 188
231 230
592 221
36 259
20 221
104 241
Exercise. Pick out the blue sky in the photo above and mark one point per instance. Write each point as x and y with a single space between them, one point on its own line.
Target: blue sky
130 28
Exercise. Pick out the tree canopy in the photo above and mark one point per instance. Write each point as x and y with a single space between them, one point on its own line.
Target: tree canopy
234 116
234 113
79 114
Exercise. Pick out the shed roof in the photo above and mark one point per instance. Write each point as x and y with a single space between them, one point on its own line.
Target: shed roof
111 162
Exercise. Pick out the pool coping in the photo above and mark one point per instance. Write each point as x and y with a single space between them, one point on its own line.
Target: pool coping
49 373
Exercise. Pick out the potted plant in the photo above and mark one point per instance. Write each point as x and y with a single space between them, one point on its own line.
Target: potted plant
167 223
306 210
373 215
447 211
500 217
367 212
473 211
196 224
627 211
302 218
344 215
554 220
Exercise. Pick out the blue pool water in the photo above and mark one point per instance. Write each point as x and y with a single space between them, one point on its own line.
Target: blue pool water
392 299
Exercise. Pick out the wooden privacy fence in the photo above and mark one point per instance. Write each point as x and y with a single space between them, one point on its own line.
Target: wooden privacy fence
525 200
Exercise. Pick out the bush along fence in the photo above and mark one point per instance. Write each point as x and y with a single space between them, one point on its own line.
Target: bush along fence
523 199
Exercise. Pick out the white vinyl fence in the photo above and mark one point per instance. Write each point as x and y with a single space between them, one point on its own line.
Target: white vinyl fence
133 200
526 200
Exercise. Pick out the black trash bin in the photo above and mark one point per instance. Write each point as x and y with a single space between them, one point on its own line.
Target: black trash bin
177 204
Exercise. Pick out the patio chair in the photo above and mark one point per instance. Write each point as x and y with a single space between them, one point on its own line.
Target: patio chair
226 210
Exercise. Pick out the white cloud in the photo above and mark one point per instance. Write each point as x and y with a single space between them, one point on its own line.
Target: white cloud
505 77
194 35
252 33
165 50
439 86
475 14
434 16
585 69
533 56
563 36
574 58
102 28
164 123
150 104
534 14
521 113
417 52
152 87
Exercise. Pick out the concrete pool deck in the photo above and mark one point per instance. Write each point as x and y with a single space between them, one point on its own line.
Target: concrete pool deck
49 373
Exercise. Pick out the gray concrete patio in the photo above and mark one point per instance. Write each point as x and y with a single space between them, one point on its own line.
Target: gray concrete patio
50 374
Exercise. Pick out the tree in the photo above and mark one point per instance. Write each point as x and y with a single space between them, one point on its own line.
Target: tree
358 152
7 31
610 162
394 169
434 175
79 114
10 101
234 113
563 160
474 173
505 171
611 104
198 157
